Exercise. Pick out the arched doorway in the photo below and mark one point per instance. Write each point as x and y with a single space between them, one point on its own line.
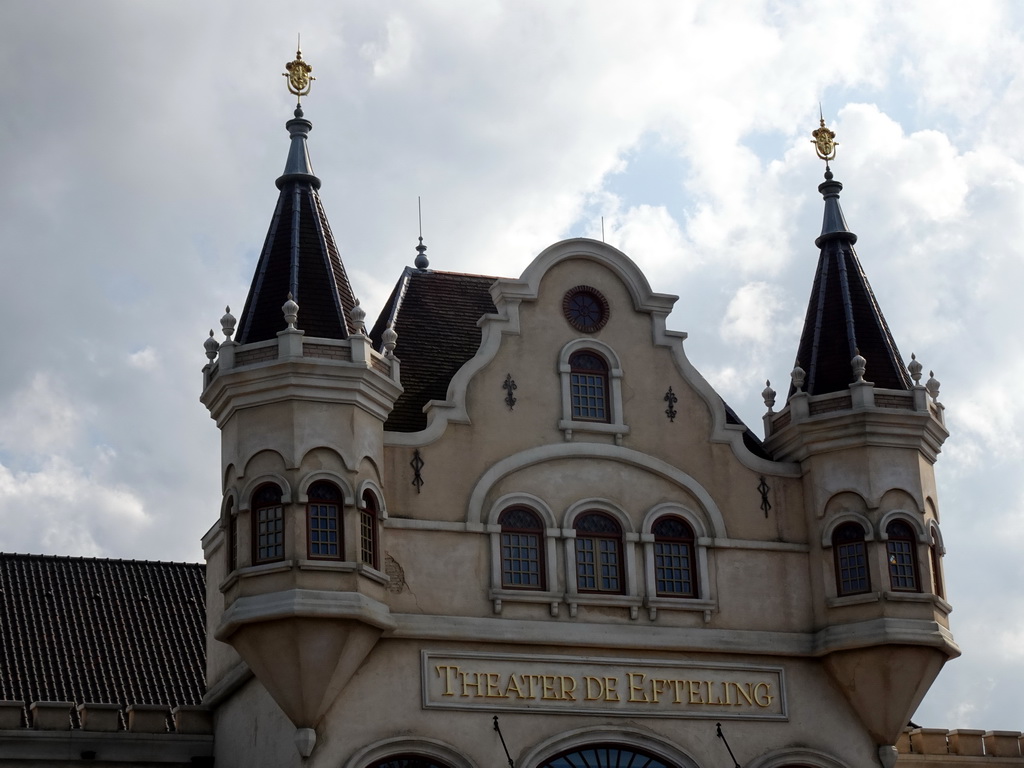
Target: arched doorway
408 761
606 756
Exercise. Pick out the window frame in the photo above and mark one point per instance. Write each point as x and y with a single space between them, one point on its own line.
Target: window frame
690 572
257 505
614 424
598 540
369 528
898 546
840 550
505 545
338 505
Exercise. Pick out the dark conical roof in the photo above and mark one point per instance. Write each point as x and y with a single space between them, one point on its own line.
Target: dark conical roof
843 316
299 257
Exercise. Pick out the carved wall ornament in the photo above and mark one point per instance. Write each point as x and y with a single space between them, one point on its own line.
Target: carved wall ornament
509 386
763 488
671 399
417 465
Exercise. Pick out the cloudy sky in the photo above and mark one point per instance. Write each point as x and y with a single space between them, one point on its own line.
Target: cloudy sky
139 143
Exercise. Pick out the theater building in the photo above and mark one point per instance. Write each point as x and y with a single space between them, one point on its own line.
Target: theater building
508 522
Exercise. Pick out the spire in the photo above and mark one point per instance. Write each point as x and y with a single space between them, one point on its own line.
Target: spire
299 256
843 318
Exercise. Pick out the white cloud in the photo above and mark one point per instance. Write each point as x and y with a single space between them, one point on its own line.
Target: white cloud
40 417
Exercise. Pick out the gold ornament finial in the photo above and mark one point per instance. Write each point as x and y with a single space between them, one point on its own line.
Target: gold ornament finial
299 78
824 141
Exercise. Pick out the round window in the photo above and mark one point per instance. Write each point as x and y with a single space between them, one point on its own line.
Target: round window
585 308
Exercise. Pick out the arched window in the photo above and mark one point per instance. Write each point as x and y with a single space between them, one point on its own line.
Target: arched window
522 564
232 536
936 556
605 756
901 554
368 530
675 567
599 554
267 524
588 387
852 575
323 521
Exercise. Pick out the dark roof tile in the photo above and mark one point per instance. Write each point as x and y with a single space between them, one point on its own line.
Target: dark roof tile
101 631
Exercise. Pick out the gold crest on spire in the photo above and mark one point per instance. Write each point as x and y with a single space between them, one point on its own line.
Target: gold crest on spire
824 142
299 78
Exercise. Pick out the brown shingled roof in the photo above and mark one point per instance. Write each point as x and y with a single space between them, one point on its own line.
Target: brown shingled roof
101 631
435 315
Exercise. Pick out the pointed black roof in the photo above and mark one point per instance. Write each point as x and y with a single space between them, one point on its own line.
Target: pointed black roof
299 257
843 316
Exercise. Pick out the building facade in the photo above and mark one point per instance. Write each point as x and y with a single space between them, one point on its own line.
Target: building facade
512 515
509 522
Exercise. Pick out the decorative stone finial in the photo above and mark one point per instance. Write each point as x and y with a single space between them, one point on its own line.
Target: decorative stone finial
769 396
291 312
422 262
915 369
859 365
211 345
305 740
358 317
227 323
932 385
798 375
390 338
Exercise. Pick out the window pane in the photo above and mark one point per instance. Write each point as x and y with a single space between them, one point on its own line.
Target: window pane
323 530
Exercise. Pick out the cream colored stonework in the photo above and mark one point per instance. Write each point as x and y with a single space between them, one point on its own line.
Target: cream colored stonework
352 651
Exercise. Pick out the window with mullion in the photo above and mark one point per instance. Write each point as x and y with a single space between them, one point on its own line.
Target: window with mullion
901 554
522 565
368 530
268 524
588 387
852 576
599 554
675 573
323 521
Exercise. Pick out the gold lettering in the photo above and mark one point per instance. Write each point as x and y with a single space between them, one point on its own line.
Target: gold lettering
513 685
765 699
548 685
466 684
592 683
636 685
708 683
493 691
610 694
694 686
447 674
678 686
568 687
726 684
657 688
530 681
746 694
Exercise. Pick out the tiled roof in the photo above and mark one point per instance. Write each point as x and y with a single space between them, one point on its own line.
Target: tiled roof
435 315
843 316
101 631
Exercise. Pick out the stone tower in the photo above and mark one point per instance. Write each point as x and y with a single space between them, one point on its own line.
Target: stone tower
300 398
866 434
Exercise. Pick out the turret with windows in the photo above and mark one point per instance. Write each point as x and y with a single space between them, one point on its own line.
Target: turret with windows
300 397
866 433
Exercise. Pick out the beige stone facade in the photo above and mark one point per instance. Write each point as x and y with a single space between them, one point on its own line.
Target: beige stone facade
413 650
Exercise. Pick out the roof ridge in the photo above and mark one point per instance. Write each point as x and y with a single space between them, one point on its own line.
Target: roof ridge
94 558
